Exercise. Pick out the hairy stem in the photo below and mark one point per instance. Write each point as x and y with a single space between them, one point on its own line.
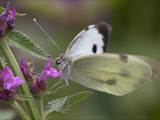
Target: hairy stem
42 107
24 88
20 111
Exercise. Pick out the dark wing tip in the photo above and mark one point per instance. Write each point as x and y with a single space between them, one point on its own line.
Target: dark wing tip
104 29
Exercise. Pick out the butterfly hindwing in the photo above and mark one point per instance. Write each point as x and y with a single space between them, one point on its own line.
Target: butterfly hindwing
117 74
92 40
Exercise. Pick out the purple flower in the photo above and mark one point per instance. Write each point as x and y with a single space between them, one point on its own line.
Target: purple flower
24 66
38 81
7 94
13 83
8 83
7 18
48 71
5 74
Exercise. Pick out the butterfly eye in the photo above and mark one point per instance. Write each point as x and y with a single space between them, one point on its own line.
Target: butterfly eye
58 61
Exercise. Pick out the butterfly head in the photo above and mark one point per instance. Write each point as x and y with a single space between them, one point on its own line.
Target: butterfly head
61 62
58 61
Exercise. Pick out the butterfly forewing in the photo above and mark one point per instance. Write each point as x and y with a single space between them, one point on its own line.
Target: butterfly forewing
92 40
116 74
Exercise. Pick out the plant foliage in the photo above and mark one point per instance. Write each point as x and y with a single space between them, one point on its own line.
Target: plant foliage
62 104
3 61
22 41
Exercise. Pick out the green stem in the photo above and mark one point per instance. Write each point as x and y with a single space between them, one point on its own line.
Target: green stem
42 106
20 111
24 88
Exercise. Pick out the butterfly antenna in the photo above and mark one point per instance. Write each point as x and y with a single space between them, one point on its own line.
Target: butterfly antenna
48 36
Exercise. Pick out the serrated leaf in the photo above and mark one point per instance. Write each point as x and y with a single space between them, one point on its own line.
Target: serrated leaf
17 13
62 104
3 61
22 41
49 92
77 97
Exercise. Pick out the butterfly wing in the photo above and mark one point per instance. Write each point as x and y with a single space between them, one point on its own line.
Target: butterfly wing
91 40
117 74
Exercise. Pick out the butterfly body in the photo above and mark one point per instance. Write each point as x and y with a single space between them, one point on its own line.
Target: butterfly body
86 63
64 64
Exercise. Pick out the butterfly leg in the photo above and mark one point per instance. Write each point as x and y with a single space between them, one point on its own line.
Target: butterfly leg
67 74
66 81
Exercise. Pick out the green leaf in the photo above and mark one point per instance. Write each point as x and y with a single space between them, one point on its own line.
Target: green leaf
20 40
62 104
77 97
17 13
7 114
49 92
3 61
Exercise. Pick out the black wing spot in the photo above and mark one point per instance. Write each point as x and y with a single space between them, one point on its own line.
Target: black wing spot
123 57
111 81
94 48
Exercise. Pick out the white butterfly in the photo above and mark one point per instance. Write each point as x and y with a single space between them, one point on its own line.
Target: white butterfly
86 63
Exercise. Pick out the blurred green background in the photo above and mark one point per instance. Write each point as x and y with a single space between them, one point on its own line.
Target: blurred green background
136 30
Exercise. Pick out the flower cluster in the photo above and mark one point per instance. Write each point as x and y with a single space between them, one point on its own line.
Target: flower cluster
7 18
38 81
8 83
